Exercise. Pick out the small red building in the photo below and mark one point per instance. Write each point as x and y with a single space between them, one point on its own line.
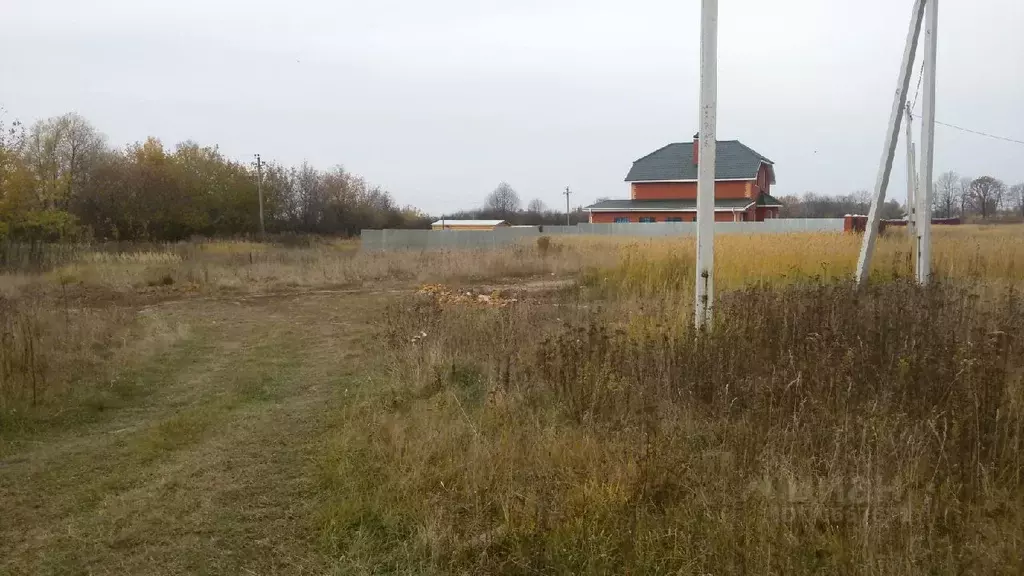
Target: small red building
663 186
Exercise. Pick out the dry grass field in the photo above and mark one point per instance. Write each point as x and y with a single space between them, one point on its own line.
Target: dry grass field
236 408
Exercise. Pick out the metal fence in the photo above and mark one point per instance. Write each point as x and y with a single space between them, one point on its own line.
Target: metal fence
485 239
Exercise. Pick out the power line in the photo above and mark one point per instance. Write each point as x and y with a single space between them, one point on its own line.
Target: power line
985 134
920 77
912 105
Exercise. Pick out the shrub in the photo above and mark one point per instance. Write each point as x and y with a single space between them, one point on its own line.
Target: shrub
543 245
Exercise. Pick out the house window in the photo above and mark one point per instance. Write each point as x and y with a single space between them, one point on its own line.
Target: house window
622 220
647 220
674 219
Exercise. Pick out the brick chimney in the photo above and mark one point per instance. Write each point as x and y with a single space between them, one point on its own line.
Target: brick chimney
696 147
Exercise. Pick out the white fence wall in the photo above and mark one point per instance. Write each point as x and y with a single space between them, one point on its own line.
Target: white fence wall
484 239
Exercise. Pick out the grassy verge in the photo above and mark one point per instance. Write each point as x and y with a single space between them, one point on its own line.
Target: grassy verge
61 362
199 459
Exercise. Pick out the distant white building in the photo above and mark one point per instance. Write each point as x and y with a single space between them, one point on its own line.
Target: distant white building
446 224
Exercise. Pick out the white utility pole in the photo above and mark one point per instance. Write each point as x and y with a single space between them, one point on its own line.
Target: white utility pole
259 192
891 137
567 192
911 180
705 281
926 181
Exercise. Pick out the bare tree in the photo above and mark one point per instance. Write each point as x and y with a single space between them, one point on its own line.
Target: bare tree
892 210
312 197
815 205
536 206
62 150
12 144
1017 198
963 195
41 155
78 153
862 197
987 195
946 193
504 200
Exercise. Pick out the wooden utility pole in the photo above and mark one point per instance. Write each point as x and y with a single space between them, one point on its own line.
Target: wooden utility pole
259 192
567 192
867 247
705 280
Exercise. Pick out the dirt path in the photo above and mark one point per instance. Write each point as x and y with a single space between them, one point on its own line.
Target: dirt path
157 297
211 467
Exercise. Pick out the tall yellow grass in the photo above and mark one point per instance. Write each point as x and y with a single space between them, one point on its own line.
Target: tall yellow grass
993 253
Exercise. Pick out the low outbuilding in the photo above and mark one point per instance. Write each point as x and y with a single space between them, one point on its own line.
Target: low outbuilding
445 224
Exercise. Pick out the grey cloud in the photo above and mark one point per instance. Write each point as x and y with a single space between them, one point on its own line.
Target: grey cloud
439 101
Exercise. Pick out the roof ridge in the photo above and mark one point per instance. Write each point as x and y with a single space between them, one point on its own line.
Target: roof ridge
754 152
691 142
670 162
656 151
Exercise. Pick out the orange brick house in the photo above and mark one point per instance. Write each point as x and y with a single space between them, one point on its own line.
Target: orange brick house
663 187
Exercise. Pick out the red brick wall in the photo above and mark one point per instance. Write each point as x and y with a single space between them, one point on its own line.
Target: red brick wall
663 191
687 190
763 183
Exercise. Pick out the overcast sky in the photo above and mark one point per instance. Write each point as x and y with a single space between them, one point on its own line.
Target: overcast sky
439 101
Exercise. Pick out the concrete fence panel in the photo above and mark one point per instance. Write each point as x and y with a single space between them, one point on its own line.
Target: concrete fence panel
373 240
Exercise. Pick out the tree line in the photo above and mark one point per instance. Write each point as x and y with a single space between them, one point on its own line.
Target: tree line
815 205
984 197
59 179
504 203
954 196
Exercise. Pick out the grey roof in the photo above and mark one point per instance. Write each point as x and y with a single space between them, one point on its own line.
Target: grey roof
766 199
666 205
733 161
